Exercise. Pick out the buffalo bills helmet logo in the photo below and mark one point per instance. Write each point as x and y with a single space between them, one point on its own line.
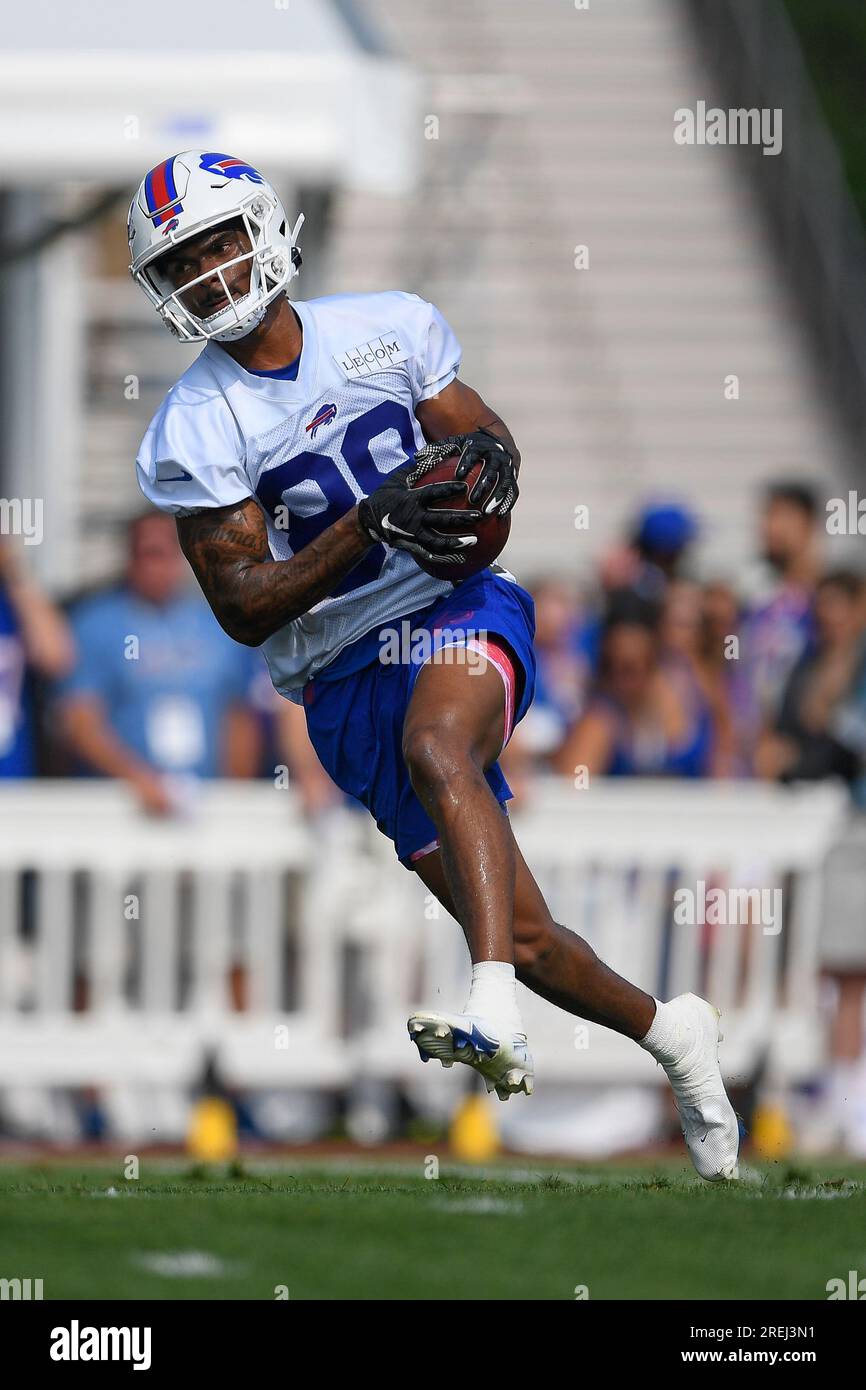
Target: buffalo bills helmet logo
230 168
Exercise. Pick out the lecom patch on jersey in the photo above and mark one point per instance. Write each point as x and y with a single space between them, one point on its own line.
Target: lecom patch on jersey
376 356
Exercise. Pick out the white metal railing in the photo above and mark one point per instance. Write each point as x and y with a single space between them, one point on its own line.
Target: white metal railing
129 947
610 861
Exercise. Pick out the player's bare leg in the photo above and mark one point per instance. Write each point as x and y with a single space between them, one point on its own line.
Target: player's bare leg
449 740
553 961
453 731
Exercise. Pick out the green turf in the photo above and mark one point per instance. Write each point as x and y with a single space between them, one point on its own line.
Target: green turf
349 1232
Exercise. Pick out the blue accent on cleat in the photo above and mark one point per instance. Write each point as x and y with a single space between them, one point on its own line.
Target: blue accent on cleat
476 1040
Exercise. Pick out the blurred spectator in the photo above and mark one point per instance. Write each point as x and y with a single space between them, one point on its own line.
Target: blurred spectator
780 623
263 703
850 720
317 792
703 703
665 532
642 720
564 649
807 740
282 742
564 669
159 691
726 683
34 639
657 552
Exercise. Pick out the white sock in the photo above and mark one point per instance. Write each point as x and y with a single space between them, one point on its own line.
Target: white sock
664 1040
493 994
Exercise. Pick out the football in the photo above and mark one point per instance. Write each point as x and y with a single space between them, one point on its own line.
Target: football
492 531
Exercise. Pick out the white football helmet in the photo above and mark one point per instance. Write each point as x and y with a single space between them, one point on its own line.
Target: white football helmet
188 194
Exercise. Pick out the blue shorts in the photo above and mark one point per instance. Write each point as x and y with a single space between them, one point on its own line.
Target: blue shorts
357 705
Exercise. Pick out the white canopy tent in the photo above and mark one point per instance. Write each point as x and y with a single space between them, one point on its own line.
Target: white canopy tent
103 90
92 94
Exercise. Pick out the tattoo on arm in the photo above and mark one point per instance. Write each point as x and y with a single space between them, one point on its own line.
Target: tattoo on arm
252 595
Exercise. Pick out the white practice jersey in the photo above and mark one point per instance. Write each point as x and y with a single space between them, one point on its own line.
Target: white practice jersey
308 450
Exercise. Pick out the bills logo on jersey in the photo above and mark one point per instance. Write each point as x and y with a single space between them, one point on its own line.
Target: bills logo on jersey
229 167
324 416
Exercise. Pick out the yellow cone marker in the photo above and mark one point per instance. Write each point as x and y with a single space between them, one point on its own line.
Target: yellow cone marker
213 1130
771 1129
474 1136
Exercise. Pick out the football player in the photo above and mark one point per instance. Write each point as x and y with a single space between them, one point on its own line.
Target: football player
288 453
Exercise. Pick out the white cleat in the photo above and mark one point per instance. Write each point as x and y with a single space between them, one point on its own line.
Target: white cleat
503 1059
709 1124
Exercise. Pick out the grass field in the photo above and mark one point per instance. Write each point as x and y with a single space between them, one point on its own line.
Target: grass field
346 1230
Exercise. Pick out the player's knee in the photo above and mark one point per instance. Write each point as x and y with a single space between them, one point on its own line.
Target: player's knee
534 943
431 756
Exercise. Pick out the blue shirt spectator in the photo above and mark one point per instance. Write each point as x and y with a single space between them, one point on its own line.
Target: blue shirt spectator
34 642
159 692
166 675
16 730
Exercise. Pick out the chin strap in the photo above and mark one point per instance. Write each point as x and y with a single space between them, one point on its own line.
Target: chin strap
240 330
296 250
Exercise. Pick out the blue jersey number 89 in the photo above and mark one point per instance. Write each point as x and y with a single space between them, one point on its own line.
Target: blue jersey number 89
309 467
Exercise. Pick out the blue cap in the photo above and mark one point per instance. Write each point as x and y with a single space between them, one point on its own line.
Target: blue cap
666 528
